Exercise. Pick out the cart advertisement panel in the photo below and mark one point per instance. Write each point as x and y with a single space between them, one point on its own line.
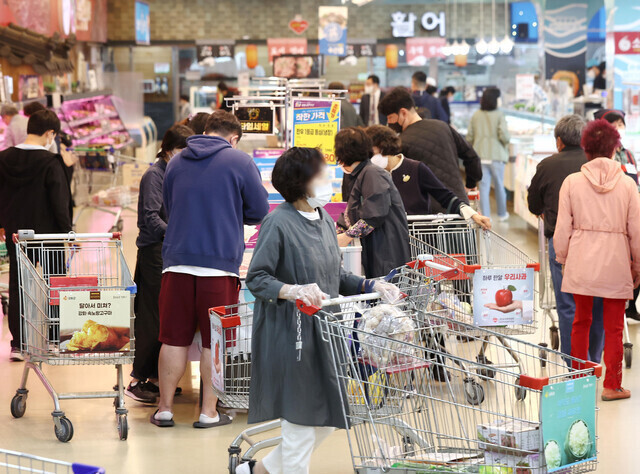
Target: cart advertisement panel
503 297
315 125
217 356
95 320
568 415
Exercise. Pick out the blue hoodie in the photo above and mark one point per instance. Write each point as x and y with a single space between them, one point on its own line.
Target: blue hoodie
210 191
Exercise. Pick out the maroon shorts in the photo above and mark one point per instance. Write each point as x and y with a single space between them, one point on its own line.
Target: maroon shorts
184 305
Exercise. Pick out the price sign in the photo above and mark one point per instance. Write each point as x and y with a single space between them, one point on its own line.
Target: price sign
315 125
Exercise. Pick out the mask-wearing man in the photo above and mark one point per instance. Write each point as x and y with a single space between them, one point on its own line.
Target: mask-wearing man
370 101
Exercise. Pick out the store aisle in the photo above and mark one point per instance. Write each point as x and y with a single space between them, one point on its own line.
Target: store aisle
183 449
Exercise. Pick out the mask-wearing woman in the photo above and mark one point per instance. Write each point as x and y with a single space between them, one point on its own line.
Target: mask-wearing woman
152 223
623 156
297 257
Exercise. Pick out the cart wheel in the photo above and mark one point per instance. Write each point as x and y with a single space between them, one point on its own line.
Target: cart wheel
482 371
18 405
628 354
555 338
521 393
123 427
474 392
542 354
65 432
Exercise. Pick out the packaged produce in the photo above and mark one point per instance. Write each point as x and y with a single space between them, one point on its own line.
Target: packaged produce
511 464
510 434
390 322
456 309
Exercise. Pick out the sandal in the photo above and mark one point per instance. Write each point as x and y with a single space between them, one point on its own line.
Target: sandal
161 423
224 420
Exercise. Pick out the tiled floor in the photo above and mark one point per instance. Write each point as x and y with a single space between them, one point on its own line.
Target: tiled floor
183 449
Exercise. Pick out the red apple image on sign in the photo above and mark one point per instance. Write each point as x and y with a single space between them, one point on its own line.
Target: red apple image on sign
504 297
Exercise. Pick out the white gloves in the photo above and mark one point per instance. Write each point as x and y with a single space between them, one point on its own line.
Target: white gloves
310 294
389 292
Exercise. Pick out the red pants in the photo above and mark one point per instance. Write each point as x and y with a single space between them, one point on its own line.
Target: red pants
613 317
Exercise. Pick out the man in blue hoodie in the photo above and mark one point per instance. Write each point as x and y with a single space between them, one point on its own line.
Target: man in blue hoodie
210 191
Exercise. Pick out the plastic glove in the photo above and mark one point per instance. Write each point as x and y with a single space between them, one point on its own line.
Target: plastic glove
309 294
389 292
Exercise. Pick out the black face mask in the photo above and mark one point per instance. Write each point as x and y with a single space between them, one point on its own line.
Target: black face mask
396 127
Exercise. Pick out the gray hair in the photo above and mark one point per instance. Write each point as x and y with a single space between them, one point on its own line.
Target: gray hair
569 129
8 110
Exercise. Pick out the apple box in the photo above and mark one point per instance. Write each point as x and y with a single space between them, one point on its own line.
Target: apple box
510 434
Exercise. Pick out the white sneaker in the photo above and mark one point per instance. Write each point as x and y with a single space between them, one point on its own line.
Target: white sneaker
15 355
503 218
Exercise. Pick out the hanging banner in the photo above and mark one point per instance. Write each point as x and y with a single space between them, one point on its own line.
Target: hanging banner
565 41
332 30
627 43
361 49
315 125
256 120
419 50
280 46
215 49
503 297
625 65
568 421
142 23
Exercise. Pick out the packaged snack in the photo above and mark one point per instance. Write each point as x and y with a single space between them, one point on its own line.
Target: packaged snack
510 434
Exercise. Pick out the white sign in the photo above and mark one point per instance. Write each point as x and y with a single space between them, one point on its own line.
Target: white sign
217 354
525 86
95 320
503 297
403 24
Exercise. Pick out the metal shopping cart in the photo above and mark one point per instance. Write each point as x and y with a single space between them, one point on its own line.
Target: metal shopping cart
99 183
14 462
76 308
403 421
4 269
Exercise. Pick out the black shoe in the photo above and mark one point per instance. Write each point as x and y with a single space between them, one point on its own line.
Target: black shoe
153 388
631 314
440 374
140 393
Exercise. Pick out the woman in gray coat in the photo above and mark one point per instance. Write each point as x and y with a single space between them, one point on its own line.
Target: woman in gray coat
297 257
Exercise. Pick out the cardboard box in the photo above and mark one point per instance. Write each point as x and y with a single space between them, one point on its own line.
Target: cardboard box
510 464
510 434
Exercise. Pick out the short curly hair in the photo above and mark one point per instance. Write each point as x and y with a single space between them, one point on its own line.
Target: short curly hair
352 146
385 140
294 170
600 139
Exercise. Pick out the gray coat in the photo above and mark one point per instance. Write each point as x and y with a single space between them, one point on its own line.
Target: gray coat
299 386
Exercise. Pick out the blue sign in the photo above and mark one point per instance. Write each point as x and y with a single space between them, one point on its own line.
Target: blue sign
143 23
332 30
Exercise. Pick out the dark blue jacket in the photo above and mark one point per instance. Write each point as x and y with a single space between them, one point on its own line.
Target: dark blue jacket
433 105
210 191
152 220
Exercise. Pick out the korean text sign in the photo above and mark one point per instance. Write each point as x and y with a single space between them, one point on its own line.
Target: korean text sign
503 297
568 415
315 125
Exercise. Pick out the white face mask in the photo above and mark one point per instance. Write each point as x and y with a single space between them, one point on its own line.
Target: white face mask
499 101
381 161
368 89
322 191
623 134
50 144
591 74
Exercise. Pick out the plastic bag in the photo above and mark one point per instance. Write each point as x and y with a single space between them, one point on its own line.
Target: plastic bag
390 322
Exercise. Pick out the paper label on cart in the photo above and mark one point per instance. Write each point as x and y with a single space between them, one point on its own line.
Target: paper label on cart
503 297
630 168
94 320
217 354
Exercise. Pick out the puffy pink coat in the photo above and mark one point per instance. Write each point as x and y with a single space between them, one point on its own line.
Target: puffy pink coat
597 235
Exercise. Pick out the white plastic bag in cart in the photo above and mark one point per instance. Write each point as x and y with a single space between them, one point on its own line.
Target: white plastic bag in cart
388 321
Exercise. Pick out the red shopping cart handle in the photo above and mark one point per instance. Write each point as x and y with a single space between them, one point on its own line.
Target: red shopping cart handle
228 321
307 309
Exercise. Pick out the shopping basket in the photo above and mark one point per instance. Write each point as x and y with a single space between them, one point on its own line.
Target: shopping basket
403 421
76 308
14 462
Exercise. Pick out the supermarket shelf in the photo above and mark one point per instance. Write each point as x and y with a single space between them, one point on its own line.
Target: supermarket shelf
85 120
101 133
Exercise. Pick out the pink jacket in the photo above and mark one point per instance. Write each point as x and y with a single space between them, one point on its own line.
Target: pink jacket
597 235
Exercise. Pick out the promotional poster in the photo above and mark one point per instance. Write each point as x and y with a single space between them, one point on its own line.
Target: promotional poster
503 297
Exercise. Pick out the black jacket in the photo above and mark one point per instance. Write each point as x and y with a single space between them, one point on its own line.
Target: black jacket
430 103
365 105
439 146
446 107
34 192
544 190
152 219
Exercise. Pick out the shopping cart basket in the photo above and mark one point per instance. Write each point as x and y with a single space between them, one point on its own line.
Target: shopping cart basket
76 308
13 462
403 421
99 184
4 269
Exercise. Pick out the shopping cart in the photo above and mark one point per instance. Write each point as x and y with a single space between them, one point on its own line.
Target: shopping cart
474 200
546 293
4 269
76 308
99 183
403 421
13 462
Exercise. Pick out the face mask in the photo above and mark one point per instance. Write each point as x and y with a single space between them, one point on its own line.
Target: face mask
368 90
396 127
499 102
591 74
50 144
322 194
379 160
623 134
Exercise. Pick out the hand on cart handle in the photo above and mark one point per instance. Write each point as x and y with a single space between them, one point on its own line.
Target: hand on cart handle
482 221
389 293
310 310
310 294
